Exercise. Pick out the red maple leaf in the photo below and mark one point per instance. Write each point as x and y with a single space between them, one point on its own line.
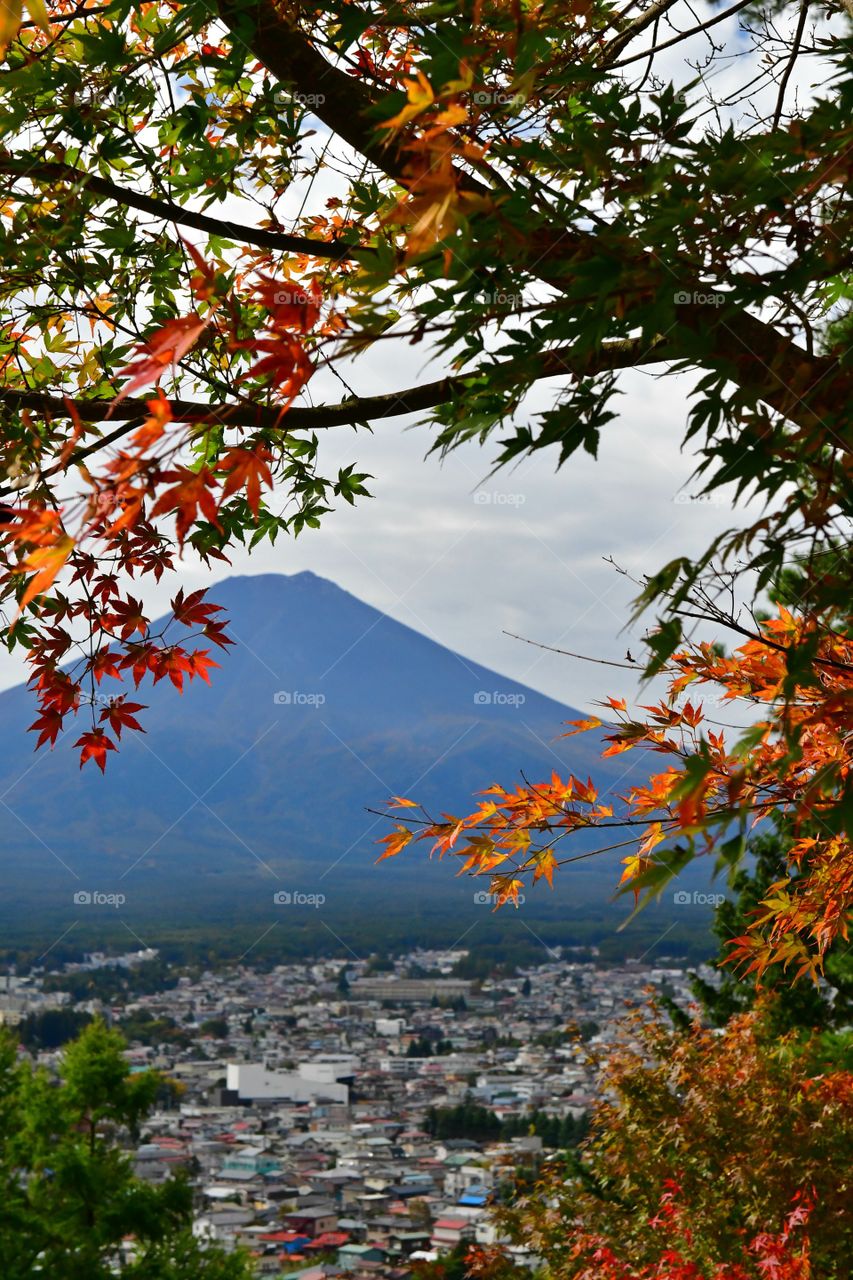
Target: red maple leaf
191 491
120 715
50 725
95 747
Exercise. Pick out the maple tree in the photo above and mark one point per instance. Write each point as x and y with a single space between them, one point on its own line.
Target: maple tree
713 1156
533 191
794 761
825 1006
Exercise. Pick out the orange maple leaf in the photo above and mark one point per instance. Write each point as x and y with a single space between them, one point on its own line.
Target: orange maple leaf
249 468
160 352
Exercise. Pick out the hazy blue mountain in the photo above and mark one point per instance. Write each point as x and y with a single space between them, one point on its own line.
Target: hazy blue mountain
323 709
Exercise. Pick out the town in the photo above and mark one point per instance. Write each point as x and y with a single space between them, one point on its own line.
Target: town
348 1118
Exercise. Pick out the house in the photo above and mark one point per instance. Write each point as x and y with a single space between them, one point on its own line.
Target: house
313 1220
352 1256
326 1241
283 1241
447 1233
250 1160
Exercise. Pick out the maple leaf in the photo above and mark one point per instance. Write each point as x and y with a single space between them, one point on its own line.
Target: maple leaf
582 726
176 663
46 563
191 491
290 306
95 746
154 427
545 865
105 663
200 664
203 279
161 351
11 13
286 364
49 723
127 615
56 690
194 609
249 468
420 98
120 715
395 842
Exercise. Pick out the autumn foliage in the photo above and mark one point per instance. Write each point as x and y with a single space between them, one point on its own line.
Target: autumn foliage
713 1156
716 786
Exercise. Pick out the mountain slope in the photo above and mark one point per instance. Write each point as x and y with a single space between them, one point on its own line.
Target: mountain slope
324 708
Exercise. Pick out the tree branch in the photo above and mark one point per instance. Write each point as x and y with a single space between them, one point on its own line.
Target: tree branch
55 171
633 28
804 388
620 354
340 100
682 35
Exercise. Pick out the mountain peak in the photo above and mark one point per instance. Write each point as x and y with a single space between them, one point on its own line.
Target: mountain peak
324 708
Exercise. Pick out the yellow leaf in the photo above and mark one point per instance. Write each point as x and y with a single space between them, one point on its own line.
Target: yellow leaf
47 562
10 20
38 13
420 95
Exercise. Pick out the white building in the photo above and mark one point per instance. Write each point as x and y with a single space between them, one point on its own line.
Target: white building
254 1082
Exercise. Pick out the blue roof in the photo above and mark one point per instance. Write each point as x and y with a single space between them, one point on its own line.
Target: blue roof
473 1197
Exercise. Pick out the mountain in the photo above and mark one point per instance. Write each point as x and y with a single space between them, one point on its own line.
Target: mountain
262 783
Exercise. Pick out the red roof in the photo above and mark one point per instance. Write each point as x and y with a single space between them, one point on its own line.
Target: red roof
451 1224
329 1240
